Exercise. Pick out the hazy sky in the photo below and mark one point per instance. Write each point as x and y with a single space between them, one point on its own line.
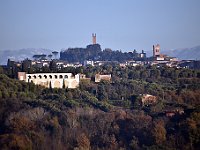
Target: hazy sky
119 24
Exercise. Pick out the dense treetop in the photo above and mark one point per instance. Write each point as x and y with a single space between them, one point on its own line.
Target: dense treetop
94 52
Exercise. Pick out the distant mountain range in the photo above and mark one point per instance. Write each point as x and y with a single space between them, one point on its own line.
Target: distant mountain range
21 54
185 53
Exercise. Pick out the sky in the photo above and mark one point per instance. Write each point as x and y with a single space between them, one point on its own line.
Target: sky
119 24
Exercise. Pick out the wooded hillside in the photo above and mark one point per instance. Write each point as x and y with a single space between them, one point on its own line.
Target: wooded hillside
107 115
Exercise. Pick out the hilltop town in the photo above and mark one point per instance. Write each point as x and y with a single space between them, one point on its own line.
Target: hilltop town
132 84
93 55
47 69
89 98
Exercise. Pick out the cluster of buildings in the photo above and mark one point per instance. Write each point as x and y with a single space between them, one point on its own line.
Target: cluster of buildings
59 64
58 80
141 59
157 56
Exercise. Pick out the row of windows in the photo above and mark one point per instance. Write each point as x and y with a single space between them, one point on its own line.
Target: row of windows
50 76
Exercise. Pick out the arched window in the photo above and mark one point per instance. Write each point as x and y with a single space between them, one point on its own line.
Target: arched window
29 77
56 76
34 76
66 76
60 76
50 76
40 76
45 76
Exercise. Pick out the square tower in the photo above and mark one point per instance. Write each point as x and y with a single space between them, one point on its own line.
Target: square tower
156 50
94 38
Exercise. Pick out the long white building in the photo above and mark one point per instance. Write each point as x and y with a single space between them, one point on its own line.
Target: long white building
53 80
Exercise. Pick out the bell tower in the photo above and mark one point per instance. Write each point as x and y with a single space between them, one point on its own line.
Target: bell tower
156 50
94 40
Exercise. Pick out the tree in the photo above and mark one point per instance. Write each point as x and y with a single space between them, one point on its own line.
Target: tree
193 129
1 70
155 73
133 75
102 94
134 144
69 95
144 75
83 142
159 132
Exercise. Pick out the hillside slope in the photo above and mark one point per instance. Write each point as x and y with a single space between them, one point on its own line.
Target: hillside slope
185 53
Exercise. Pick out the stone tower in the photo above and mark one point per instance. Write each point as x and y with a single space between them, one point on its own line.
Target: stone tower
94 38
156 50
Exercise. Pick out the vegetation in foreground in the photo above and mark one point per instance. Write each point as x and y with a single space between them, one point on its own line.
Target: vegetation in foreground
108 115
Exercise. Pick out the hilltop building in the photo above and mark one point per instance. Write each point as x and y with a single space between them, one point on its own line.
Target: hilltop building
142 55
148 99
10 63
94 39
88 62
51 80
156 53
99 78
156 50
157 56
